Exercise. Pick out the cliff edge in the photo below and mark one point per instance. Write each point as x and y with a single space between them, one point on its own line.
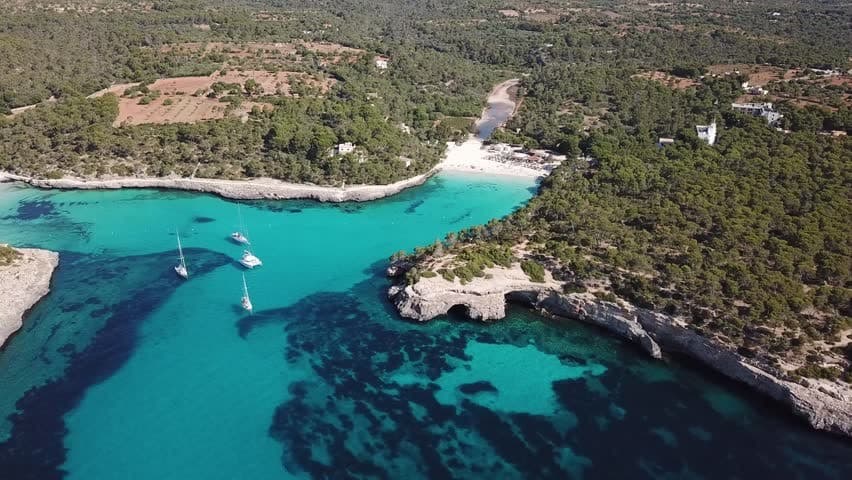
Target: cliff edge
826 405
23 282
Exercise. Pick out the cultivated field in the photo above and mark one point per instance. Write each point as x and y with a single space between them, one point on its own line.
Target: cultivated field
275 83
186 100
183 109
192 99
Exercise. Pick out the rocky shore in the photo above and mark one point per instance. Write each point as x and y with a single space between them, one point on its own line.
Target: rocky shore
825 405
254 189
22 284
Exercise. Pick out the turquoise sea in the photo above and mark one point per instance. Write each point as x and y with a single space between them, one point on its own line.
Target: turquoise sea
126 372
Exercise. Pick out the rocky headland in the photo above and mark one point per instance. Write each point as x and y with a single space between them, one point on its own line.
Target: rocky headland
826 405
250 189
23 282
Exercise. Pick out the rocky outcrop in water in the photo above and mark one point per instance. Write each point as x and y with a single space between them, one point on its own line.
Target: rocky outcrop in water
483 299
22 284
825 405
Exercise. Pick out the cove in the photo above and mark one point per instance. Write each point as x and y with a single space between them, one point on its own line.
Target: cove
124 372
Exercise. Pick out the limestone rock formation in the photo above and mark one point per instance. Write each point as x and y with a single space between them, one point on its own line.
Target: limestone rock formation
825 405
254 189
22 285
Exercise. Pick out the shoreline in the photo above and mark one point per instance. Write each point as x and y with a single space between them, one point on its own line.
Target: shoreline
251 189
469 156
22 285
825 405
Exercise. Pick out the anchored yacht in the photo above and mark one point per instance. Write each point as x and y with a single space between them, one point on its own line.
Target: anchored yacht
180 269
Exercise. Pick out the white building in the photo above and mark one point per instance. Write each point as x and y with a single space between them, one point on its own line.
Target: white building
381 63
344 148
707 133
765 110
753 90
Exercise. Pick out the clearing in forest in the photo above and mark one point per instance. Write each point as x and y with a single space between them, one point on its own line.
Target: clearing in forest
192 99
268 53
677 83
196 98
758 75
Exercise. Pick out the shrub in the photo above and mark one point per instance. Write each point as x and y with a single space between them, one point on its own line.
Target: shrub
607 296
534 270
573 288
448 275
812 370
8 255
412 276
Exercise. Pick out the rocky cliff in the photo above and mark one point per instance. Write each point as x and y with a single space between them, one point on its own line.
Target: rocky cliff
22 285
826 405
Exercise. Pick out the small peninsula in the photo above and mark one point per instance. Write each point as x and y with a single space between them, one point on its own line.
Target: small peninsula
25 275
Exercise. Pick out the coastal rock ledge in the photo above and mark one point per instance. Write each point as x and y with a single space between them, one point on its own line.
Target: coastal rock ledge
250 189
22 284
825 405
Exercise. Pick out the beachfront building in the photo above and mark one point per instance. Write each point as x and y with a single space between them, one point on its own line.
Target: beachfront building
707 133
518 156
765 110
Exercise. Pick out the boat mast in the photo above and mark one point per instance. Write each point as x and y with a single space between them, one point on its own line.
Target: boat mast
240 219
180 250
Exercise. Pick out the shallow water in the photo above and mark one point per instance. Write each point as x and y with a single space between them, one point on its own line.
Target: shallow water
124 371
497 111
495 115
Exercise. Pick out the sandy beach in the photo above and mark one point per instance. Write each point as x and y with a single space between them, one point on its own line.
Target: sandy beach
471 157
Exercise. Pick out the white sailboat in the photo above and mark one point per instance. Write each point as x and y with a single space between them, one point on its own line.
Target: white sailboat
248 260
238 235
239 238
180 269
246 301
